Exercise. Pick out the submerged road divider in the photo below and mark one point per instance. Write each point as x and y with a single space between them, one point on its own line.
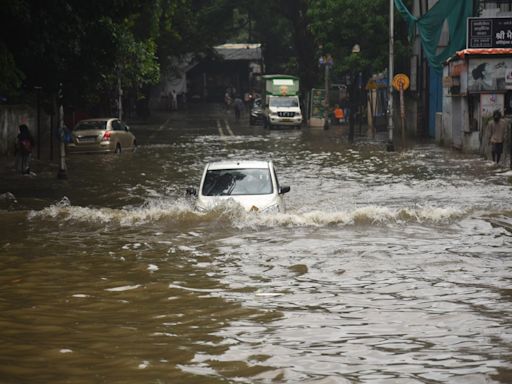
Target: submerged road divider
228 128
219 127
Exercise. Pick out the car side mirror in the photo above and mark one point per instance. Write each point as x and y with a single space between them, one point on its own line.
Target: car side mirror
284 189
191 191
127 128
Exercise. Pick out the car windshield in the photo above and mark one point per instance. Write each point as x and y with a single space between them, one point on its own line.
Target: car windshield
96 124
285 102
226 182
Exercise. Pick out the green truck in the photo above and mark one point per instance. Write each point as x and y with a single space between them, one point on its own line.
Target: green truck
281 101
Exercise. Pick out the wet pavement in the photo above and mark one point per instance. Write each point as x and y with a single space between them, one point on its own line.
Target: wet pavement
388 267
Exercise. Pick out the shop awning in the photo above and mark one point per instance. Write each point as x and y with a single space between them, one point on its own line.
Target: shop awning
484 51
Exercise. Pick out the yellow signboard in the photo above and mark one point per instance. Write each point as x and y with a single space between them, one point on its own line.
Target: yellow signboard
401 79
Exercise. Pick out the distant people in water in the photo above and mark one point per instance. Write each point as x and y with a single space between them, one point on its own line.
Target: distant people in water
496 127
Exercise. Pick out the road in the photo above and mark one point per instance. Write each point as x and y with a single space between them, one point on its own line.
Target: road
386 267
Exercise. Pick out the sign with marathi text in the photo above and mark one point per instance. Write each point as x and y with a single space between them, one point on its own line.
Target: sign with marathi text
495 32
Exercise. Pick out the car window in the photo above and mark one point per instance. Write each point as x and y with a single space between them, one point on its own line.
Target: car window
92 124
225 182
116 125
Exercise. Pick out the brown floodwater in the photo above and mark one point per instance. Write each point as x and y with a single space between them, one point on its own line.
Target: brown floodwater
386 268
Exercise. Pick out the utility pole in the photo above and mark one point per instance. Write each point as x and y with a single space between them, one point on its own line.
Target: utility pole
352 107
62 174
119 95
327 62
326 111
390 145
38 96
354 81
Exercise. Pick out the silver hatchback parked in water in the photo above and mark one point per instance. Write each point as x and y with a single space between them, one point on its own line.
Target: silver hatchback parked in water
101 135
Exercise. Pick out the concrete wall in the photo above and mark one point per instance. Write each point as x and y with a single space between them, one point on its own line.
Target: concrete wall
12 116
455 121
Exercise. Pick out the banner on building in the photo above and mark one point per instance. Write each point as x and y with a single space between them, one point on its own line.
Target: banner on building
490 74
490 102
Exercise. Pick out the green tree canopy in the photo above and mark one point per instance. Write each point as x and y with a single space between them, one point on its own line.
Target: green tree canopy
89 45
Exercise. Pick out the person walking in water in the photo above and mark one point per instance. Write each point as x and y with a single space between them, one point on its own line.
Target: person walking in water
497 127
24 144
174 101
238 104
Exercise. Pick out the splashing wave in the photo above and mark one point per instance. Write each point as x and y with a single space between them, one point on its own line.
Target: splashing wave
182 211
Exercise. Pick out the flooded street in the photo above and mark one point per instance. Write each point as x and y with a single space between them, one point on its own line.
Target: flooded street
386 267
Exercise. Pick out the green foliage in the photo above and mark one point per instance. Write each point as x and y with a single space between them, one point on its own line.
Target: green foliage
84 45
12 77
89 45
339 25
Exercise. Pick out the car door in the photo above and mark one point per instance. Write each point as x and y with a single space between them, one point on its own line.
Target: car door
279 197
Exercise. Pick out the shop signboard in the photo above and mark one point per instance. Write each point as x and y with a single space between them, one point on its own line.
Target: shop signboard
489 32
318 103
317 108
489 74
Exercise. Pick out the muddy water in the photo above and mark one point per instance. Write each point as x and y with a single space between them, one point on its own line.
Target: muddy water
386 267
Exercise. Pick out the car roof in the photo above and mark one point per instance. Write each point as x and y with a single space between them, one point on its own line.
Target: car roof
99 119
238 164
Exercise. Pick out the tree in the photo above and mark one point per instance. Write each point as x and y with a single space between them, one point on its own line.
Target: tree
339 25
90 45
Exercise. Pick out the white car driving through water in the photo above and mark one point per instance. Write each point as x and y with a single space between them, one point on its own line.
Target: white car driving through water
252 184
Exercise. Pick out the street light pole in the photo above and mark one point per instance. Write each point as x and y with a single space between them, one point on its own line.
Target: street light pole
390 146
38 96
62 174
327 62
356 49
326 110
119 96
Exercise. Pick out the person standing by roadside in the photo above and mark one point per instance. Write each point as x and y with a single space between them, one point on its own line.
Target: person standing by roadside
174 101
24 144
227 99
497 127
339 115
238 105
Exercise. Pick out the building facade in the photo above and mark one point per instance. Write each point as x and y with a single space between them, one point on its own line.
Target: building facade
477 81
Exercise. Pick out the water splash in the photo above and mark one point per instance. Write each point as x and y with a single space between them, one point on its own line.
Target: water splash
231 214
